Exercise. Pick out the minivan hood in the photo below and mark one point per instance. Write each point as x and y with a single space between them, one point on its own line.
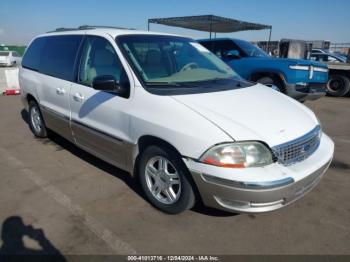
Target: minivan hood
253 113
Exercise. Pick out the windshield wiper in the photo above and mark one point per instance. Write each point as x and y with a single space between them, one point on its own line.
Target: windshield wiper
162 83
191 84
215 79
171 83
238 81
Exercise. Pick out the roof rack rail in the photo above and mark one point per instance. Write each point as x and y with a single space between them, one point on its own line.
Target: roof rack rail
62 29
85 27
82 27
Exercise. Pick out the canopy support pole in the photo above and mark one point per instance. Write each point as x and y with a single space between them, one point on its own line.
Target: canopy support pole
268 43
211 24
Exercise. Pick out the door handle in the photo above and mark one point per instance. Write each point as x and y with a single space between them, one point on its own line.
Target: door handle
78 97
60 91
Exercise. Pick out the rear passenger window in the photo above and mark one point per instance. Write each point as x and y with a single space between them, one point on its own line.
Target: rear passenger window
99 58
58 56
31 59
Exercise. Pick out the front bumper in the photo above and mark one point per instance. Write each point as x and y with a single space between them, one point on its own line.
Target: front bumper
311 91
262 189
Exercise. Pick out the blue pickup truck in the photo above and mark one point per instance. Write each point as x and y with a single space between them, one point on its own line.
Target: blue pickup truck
300 79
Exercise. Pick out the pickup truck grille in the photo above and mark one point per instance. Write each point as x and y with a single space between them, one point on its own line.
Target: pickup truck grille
299 149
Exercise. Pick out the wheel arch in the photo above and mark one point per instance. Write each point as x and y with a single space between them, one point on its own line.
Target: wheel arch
272 74
146 141
30 97
27 99
149 140
275 75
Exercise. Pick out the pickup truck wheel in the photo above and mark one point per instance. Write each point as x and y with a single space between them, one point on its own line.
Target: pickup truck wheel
272 83
338 85
36 121
164 180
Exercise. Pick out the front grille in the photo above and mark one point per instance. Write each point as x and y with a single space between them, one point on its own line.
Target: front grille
299 149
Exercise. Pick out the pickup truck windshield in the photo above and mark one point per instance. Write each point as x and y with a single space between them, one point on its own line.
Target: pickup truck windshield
171 60
250 50
4 53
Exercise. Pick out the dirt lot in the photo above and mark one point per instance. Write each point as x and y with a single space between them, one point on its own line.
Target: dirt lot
86 206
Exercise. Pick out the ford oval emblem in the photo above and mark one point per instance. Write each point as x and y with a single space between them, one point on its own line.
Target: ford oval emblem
306 148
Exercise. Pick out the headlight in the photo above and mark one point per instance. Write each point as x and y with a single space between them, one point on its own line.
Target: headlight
307 68
299 67
238 155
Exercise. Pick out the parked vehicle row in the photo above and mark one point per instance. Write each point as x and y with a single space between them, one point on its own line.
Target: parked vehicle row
300 79
176 117
303 80
322 55
10 58
339 71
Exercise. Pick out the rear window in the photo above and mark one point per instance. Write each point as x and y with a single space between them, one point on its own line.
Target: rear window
58 56
31 59
4 53
53 55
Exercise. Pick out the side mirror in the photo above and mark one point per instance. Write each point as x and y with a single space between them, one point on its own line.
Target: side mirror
232 54
107 83
104 83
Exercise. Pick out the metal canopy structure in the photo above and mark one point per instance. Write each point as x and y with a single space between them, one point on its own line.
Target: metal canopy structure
210 23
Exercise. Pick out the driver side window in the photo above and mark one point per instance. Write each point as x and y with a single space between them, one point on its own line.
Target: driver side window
223 47
98 58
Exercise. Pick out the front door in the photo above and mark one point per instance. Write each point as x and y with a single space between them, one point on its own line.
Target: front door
100 119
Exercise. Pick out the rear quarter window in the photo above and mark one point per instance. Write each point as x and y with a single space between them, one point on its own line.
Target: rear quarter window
31 59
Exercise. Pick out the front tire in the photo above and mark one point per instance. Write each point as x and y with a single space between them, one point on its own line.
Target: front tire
36 120
338 85
272 83
165 181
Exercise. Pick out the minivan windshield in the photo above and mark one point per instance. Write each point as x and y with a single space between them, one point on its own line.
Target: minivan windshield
172 60
250 50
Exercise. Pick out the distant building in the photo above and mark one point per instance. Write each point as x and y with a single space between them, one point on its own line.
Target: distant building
319 44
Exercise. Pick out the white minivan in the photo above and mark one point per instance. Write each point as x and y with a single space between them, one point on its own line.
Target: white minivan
10 58
176 117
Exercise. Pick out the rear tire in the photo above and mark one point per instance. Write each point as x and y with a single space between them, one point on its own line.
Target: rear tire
338 85
272 83
160 169
36 120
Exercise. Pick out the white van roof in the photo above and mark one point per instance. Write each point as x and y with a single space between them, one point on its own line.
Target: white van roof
112 31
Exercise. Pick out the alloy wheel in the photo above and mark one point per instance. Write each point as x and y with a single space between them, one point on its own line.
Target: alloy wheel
35 118
163 180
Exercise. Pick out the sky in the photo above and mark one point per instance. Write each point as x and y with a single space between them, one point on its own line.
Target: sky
20 20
